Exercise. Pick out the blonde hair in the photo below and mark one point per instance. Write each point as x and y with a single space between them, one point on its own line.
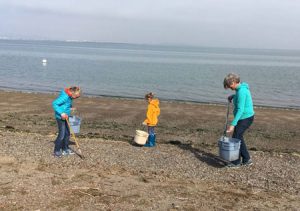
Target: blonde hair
230 78
149 95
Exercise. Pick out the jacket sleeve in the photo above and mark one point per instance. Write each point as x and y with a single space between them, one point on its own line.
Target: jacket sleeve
240 107
56 104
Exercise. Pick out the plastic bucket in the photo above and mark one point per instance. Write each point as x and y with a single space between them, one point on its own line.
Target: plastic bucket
141 137
75 122
229 148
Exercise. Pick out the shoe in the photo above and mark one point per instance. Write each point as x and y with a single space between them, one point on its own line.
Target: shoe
57 154
231 165
151 141
148 144
248 163
67 152
64 153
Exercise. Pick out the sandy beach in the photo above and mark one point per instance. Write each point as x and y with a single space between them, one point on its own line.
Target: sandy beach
183 172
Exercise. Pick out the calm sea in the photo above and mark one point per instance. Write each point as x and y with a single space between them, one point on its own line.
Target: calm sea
127 70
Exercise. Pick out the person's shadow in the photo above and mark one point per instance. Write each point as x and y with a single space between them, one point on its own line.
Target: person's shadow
201 155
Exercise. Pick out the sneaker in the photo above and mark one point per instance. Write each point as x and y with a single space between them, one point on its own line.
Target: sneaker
248 163
231 165
67 152
57 154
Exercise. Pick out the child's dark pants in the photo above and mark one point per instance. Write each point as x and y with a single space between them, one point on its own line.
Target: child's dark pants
238 133
63 138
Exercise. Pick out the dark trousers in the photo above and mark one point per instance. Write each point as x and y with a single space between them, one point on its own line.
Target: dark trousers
63 137
238 133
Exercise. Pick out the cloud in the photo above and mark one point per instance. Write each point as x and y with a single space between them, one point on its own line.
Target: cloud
248 23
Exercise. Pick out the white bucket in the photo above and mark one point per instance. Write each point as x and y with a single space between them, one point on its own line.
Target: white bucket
75 122
141 137
229 148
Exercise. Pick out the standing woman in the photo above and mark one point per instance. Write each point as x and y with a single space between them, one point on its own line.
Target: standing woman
243 115
62 107
151 120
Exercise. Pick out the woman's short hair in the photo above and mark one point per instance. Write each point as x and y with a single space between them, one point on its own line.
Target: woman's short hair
149 95
229 79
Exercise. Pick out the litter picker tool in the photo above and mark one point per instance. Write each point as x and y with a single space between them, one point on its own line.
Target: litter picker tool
226 122
79 153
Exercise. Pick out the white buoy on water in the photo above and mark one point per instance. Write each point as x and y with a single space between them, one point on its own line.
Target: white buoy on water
44 61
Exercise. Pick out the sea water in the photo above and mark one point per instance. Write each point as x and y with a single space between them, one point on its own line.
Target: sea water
129 70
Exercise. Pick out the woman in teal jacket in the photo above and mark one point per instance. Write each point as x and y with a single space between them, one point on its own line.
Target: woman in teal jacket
62 108
243 115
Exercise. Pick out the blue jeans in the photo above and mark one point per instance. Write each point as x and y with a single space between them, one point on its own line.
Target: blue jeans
63 137
238 133
151 130
151 137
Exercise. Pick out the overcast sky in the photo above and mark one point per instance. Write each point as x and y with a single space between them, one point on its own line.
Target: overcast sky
218 23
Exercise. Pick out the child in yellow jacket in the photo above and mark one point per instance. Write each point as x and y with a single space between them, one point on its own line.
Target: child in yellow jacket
151 120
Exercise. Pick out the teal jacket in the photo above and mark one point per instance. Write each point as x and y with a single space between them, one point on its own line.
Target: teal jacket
243 105
62 104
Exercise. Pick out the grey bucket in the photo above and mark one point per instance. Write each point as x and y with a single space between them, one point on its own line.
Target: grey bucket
75 122
229 148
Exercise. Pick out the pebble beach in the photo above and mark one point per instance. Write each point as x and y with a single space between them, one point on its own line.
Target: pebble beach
183 172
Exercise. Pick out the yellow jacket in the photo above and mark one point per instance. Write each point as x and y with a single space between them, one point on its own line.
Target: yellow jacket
153 112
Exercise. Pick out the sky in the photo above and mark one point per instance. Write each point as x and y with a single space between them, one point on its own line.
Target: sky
271 24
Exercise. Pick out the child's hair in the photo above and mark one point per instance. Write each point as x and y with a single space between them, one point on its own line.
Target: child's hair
75 89
149 95
229 79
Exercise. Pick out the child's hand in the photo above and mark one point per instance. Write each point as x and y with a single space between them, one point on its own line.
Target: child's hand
144 123
64 116
73 109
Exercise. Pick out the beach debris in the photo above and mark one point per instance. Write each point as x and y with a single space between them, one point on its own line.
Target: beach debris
9 127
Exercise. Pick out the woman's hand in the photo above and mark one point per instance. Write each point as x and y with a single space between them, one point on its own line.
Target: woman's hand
230 129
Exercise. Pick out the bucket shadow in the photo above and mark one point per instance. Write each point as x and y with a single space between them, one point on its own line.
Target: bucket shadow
133 143
201 155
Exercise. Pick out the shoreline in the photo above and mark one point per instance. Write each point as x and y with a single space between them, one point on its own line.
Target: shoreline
136 98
